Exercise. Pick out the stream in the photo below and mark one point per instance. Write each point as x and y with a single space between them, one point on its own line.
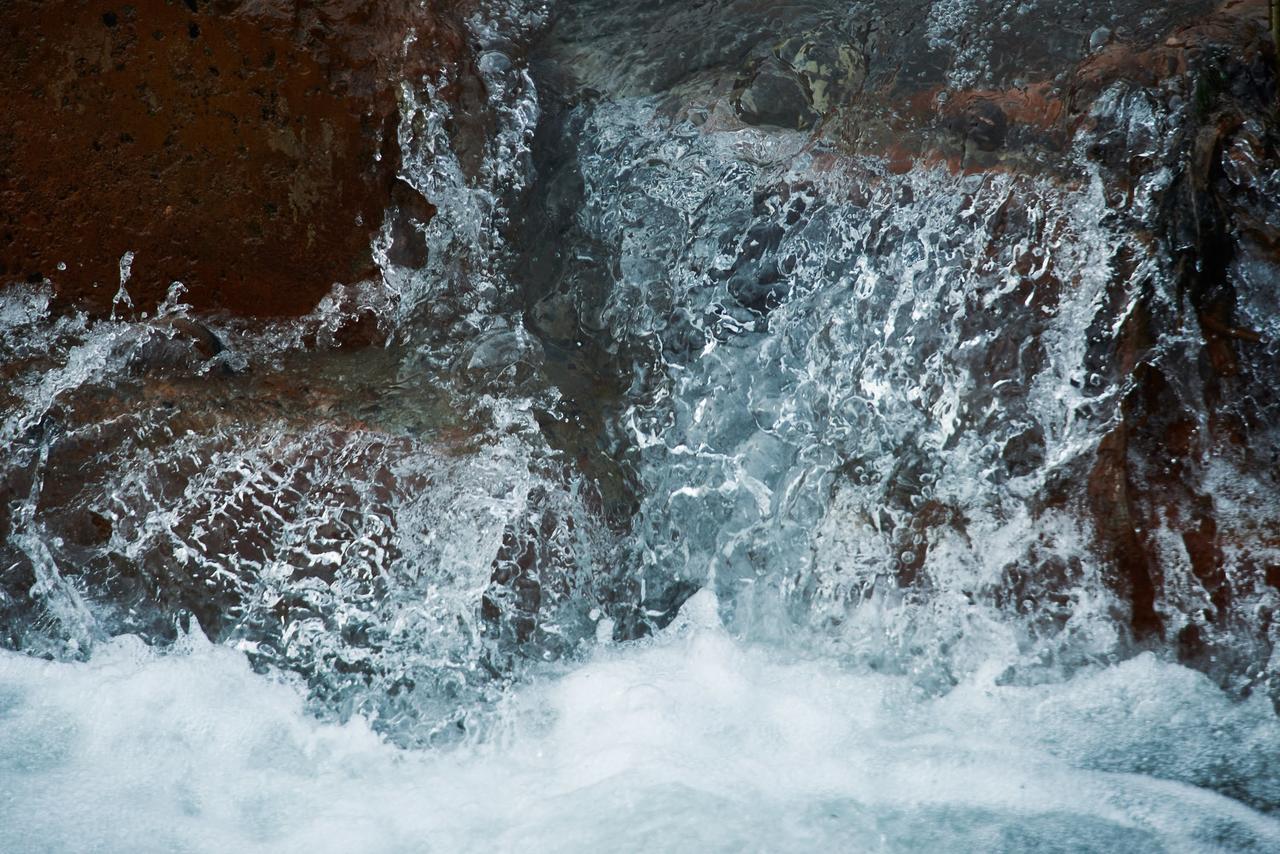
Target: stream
715 485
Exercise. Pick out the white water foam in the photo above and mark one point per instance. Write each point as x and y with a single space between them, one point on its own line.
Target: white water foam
688 742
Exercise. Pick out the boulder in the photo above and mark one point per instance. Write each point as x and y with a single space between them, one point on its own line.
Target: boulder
245 149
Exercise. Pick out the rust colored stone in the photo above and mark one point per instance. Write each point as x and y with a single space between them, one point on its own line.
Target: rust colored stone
1147 492
1010 130
1121 532
230 145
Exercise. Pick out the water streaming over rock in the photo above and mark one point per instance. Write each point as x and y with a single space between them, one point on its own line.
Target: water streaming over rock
717 484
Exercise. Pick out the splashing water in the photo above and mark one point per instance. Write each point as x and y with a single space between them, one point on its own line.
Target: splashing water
712 491
687 742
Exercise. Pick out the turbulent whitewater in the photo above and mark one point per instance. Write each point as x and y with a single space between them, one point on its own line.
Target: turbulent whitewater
690 741
719 485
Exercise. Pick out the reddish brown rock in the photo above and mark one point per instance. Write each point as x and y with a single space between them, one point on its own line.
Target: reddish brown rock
1184 488
1028 127
229 145
1192 562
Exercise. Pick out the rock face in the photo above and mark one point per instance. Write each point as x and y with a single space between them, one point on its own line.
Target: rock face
983 316
1182 492
1157 123
325 518
246 149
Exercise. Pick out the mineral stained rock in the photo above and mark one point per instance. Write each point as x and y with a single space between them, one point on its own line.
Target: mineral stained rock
246 149
1171 110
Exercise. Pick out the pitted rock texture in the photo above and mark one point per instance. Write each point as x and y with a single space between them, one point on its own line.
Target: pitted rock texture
233 146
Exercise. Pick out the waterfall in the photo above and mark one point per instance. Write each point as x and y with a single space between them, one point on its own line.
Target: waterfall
723 457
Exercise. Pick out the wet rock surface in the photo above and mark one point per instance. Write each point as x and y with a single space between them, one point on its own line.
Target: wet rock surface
1164 117
933 336
244 149
331 520
329 506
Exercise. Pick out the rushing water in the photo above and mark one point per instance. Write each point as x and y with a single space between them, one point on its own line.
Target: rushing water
708 494
690 741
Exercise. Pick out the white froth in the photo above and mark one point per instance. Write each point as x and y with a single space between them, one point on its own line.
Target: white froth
688 742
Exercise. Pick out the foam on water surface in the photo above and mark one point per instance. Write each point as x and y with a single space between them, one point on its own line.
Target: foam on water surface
689 741
842 400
